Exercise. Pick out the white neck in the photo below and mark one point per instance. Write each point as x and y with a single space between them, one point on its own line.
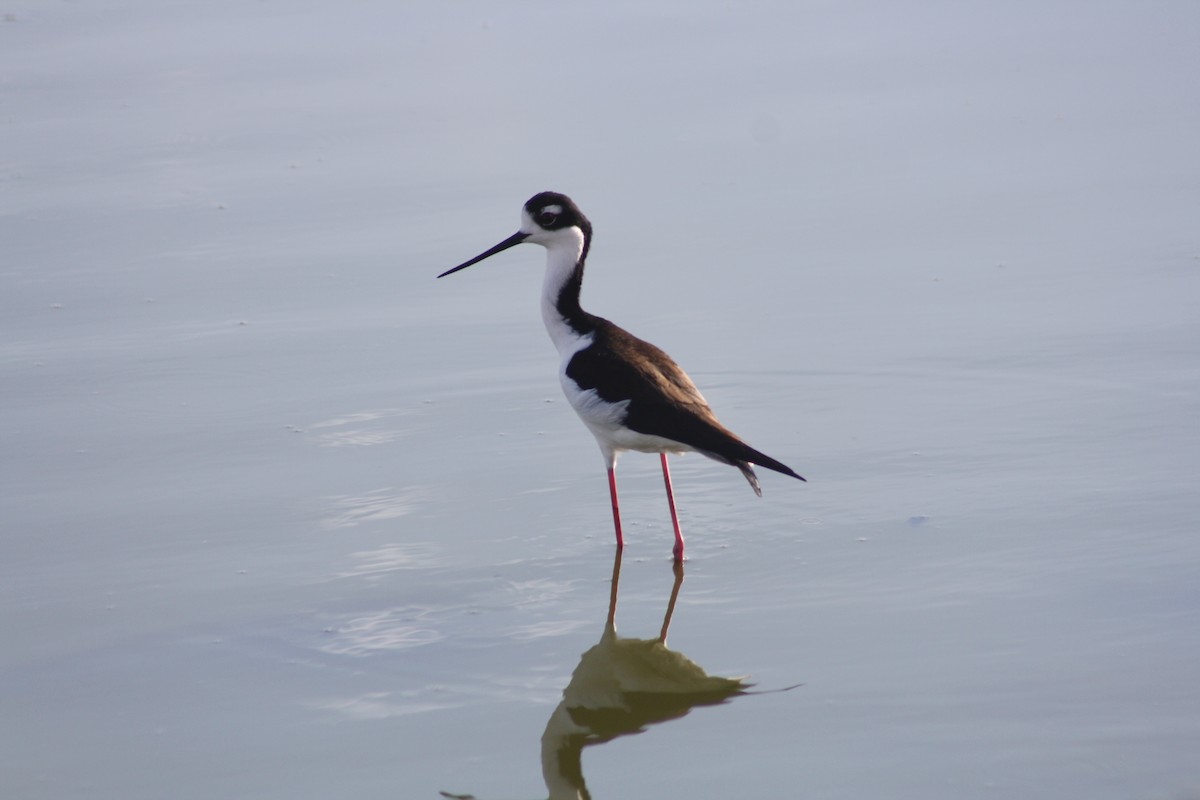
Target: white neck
562 254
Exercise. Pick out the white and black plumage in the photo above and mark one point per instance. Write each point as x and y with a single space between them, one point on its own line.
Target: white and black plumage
629 393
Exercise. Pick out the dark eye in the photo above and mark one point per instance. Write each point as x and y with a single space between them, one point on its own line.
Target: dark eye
546 218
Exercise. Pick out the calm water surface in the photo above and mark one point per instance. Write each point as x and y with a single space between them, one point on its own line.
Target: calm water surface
284 517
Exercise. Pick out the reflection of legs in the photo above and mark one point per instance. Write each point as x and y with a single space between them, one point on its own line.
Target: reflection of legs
678 569
612 595
671 503
612 490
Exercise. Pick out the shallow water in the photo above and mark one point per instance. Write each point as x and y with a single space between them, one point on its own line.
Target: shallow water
286 517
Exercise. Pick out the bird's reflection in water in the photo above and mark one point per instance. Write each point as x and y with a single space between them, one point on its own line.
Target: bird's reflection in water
622 686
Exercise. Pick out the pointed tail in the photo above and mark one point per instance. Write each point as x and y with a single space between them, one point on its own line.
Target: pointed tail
745 457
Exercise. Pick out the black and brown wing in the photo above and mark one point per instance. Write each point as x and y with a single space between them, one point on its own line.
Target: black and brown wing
663 400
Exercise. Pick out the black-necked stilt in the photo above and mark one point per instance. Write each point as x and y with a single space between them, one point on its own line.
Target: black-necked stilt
630 394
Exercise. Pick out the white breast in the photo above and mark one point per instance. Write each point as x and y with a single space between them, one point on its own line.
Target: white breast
606 421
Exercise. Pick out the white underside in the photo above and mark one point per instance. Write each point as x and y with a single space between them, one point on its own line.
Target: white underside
606 422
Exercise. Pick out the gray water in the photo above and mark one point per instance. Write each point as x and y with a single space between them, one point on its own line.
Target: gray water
285 517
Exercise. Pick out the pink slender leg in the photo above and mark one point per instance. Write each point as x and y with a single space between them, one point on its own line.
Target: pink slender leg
671 502
612 490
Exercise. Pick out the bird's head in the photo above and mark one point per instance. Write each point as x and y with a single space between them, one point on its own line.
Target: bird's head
550 219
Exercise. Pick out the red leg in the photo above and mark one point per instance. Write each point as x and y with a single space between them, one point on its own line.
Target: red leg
612 490
671 502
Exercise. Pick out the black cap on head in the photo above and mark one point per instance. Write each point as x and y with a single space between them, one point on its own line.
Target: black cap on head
554 211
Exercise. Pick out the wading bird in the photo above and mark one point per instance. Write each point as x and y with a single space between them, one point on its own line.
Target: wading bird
629 393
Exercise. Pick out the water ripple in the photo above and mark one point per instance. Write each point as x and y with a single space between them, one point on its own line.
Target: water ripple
376 505
387 630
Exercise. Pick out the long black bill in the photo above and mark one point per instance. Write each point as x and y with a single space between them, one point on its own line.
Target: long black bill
511 241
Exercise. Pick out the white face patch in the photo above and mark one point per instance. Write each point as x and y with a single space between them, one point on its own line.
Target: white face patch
564 244
555 209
